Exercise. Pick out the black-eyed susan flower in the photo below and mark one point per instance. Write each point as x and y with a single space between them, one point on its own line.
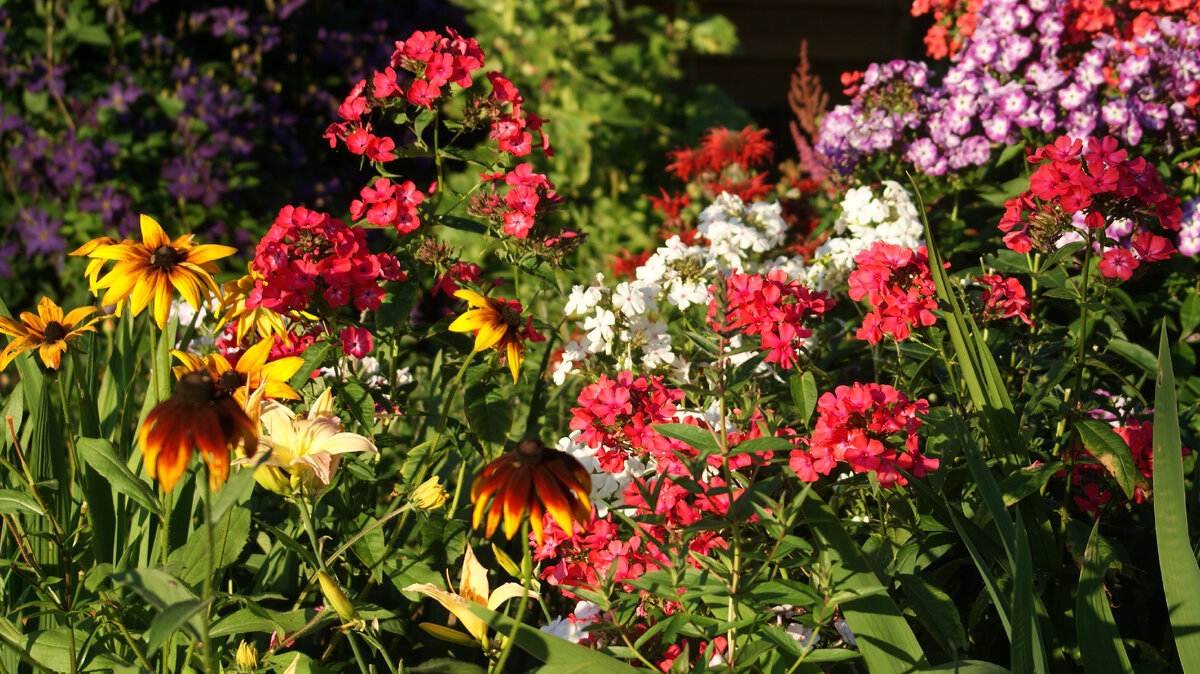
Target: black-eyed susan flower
236 306
199 416
153 269
49 332
497 325
529 481
247 373
302 454
472 588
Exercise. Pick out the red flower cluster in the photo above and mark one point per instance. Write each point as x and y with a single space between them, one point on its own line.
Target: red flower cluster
771 306
1004 298
307 252
1125 19
897 284
726 162
385 204
616 415
1101 183
528 195
512 128
871 427
1092 479
459 271
954 20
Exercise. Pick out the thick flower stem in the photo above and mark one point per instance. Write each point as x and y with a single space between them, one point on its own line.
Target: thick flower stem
526 581
210 662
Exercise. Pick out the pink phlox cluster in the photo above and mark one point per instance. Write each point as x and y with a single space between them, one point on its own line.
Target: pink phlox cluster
1092 480
386 204
526 195
308 252
356 341
513 126
773 307
1097 179
616 415
898 287
466 272
1004 298
869 427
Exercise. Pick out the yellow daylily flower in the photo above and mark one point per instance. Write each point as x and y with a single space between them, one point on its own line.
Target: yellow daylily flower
302 454
472 588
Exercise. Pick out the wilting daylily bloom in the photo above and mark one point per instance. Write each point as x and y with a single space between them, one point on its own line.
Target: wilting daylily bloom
302 454
472 588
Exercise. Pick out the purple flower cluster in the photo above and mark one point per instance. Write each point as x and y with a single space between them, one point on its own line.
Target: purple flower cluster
1014 78
1189 232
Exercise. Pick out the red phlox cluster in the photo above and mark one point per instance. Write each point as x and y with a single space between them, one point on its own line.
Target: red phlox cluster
1092 480
308 252
527 196
899 288
954 20
356 341
870 427
1004 298
386 204
1124 19
468 272
1098 180
616 415
771 306
512 126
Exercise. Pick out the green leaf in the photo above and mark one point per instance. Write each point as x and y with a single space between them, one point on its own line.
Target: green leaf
17 503
1009 152
1109 449
255 618
694 436
489 413
1099 641
236 491
768 444
446 666
936 610
229 539
886 641
102 457
1181 576
1189 313
1135 354
1027 481
804 394
967 667
94 34
159 588
423 120
170 620
314 357
356 399
565 657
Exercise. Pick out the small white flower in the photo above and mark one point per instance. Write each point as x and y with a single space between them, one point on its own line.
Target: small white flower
600 327
582 300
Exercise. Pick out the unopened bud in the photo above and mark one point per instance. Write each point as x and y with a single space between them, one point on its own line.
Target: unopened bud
336 598
429 495
247 657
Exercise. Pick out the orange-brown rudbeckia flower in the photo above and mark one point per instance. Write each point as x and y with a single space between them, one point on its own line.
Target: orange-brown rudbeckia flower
497 325
48 332
249 372
153 268
198 416
531 479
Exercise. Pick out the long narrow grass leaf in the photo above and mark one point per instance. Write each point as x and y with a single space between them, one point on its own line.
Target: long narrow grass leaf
1099 640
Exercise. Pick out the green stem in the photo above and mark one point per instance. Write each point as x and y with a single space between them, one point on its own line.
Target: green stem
526 581
206 589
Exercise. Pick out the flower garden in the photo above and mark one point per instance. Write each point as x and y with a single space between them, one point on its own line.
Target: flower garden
419 337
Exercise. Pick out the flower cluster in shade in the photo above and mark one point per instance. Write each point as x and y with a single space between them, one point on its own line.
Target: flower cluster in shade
1004 298
307 253
1015 75
1099 184
772 307
898 288
868 427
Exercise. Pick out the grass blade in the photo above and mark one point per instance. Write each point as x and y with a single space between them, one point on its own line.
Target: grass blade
1099 641
1181 576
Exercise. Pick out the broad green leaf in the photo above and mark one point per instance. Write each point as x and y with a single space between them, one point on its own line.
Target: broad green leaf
1027 481
229 538
804 394
1181 576
489 413
18 503
236 491
694 436
967 667
102 457
884 637
1109 449
1099 641
314 357
565 657
1135 354
1189 313
171 619
446 666
254 618
767 444
159 588
356 399
936 610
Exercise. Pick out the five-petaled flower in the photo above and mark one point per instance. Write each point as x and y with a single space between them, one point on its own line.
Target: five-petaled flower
49 332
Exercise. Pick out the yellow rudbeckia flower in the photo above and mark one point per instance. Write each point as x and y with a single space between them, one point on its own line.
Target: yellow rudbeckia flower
497 325
250 372
49 332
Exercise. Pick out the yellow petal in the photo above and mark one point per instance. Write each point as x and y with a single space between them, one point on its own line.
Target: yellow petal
153 235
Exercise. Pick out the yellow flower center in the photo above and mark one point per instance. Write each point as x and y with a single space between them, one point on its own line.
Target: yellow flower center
164 257
54 332
196 388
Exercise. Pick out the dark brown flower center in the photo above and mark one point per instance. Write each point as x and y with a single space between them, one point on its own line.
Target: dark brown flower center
164 257
196 388
54 331
529 451
231 380
511 316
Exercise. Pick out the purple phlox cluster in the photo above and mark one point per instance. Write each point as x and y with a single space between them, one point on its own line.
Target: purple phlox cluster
1189 233
1014 74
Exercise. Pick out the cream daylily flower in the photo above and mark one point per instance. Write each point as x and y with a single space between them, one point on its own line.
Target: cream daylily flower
473 587
302 453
